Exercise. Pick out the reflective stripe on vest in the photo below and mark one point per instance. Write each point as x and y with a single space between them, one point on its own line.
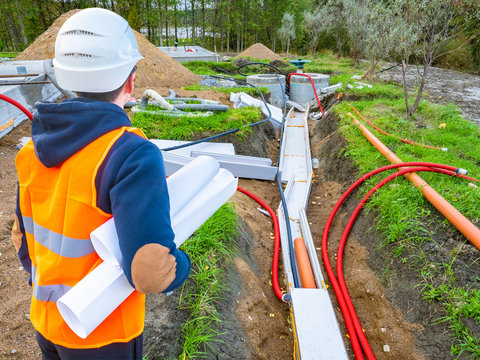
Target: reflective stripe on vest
58 207
57 243
47 292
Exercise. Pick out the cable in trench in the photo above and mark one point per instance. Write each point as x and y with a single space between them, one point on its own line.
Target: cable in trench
354 328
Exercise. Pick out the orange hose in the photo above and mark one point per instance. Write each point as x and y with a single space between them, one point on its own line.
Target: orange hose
394 136
304 266
465 226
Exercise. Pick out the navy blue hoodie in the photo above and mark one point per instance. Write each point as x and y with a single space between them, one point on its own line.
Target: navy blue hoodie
130 182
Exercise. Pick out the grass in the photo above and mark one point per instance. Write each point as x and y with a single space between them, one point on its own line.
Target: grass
185 128
215 68
327 63
246 89
404 217
209 249
8 54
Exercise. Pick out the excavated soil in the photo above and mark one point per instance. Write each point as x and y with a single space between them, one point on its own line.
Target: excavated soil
259 52
157 69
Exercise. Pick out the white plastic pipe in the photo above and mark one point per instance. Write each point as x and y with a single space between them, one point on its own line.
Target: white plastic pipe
196 192
152 94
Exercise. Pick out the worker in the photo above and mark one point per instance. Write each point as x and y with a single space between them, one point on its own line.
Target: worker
85 164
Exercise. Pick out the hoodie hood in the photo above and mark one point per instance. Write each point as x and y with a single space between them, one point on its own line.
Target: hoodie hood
61 130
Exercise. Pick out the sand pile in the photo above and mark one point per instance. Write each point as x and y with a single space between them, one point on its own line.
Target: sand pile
259 52
157 69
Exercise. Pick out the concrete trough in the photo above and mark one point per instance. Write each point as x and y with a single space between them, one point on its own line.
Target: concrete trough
274 82
27 95
189 53
301 90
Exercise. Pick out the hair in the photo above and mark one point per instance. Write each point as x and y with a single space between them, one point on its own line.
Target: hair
109 96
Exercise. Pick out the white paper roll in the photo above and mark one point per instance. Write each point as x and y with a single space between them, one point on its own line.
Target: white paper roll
106 244
196 192
203 205
185 183
96 296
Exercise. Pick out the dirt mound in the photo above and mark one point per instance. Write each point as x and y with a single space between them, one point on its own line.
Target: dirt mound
156 69
259 51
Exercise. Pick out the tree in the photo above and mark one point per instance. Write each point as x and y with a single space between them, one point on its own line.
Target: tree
331 18
358 25
422 26
287 32
380 41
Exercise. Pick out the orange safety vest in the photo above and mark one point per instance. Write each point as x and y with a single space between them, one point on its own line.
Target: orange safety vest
59 212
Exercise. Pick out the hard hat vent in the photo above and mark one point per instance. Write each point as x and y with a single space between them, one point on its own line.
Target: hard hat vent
79 32
78 55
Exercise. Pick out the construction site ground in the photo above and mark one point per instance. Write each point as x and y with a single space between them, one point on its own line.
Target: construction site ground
398 322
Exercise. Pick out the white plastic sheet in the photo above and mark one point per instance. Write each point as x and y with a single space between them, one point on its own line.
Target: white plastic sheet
196 192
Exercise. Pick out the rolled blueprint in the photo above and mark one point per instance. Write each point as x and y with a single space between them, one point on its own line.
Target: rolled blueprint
196 192
84 306
105 242
200 179
203 205
187 182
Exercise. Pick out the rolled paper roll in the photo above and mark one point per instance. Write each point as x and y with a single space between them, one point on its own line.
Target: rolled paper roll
185 183
196 192
203 205
105 242
183 186
93 298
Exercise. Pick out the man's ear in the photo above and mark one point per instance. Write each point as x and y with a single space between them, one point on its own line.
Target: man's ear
129 83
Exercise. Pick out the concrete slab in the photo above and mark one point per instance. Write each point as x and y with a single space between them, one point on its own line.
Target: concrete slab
218 148
316 326
189 53
247 167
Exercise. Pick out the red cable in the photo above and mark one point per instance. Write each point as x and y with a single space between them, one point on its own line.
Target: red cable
313 86
343 240
391 135
276 248
349 322
18 105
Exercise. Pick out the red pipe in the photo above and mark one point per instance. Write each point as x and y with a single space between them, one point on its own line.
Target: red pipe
349 322
343 240
276 248
18 105
313 86
391 135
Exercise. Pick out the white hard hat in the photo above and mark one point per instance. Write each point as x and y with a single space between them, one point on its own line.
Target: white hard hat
95 51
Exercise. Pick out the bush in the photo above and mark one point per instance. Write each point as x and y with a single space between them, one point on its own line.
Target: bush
458 56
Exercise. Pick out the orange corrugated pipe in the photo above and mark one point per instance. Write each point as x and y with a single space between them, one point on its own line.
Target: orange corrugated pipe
465 226
304 266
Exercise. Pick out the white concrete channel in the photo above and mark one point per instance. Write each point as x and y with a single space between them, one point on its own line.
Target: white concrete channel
317 335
